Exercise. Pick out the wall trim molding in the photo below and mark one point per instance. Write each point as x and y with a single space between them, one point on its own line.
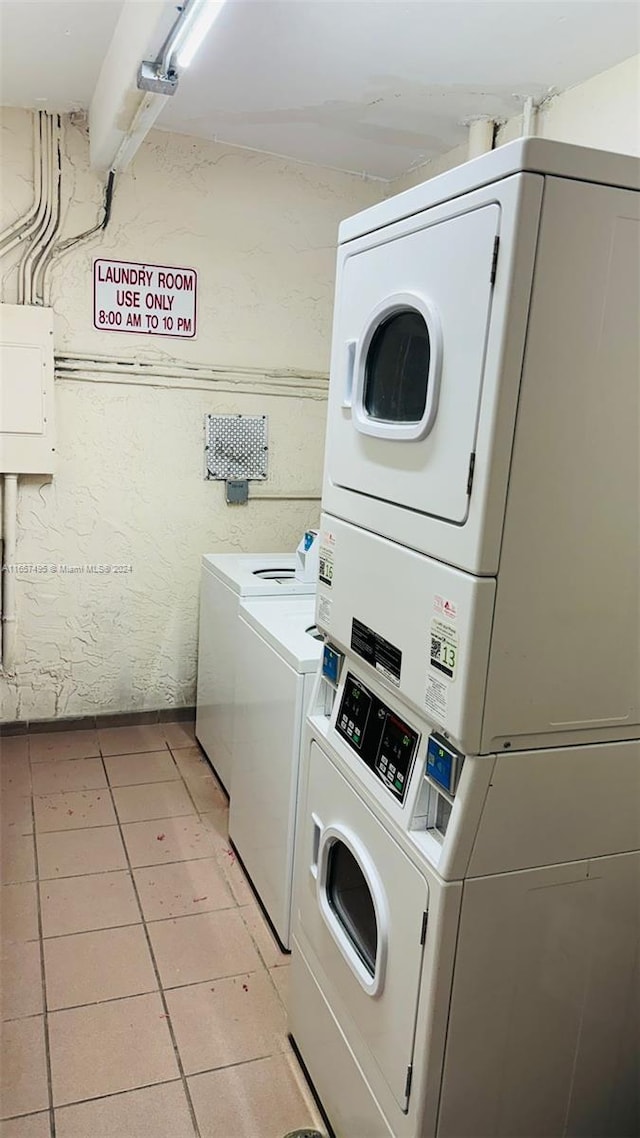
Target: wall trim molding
287 382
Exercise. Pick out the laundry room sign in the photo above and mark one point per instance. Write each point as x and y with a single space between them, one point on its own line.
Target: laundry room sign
159 300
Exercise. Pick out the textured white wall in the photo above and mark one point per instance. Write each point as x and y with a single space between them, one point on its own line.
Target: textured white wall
129 489
603 112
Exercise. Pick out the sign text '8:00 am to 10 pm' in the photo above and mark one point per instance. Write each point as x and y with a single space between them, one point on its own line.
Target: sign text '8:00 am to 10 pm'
159 300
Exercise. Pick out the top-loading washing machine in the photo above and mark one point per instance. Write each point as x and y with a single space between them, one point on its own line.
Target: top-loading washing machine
226 579
501 290
280 648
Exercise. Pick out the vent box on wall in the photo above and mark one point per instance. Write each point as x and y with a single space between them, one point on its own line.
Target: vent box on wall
27 442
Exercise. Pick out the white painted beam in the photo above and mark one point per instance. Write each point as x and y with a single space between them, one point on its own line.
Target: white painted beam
118 109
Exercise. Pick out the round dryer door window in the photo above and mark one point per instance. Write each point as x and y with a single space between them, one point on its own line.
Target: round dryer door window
396 378
396 369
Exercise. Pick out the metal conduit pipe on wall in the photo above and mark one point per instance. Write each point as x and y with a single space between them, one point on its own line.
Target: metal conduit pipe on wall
22 228
10 525
481 137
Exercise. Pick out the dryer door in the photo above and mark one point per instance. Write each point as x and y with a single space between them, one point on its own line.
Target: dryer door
408 355
361 908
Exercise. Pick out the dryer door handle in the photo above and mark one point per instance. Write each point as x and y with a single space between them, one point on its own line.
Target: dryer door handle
349 366
315 845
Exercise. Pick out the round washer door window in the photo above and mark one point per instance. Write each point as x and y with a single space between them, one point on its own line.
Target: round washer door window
396 374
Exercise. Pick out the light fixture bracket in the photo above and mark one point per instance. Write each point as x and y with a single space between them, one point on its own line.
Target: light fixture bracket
153 77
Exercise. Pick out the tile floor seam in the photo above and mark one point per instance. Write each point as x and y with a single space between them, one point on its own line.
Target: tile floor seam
118 1094
147 865
170 1028
45 1020
163 746
96 1098
19 1019
186 786
76 829
213 980
229 1066
107 1000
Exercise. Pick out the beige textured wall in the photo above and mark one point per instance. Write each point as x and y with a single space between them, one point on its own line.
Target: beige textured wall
603 112
129 488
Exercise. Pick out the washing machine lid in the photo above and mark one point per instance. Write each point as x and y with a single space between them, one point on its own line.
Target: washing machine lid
285 625
256 574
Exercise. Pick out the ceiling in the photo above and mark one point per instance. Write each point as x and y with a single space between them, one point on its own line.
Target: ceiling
372 86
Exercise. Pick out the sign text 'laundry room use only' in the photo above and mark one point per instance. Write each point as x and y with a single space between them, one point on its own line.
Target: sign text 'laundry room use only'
157 299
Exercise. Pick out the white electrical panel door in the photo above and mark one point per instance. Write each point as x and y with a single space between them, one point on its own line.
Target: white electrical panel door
27 443
409 343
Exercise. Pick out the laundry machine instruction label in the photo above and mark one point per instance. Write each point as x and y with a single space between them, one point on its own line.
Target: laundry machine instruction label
326 554
380 653
324 612
435 698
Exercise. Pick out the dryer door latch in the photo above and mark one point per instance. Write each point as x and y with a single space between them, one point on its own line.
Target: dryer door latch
494 260
407 1085
423 930
472 466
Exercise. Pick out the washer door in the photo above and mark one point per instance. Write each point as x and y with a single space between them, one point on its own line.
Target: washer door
361 906
410 331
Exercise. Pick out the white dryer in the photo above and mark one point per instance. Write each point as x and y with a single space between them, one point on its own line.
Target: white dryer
279 649
465 930
481 520
512 277
226 578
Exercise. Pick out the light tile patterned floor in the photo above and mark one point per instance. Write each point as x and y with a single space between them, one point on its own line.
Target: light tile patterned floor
142 990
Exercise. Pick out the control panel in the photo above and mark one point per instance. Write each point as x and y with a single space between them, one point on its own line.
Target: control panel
384 742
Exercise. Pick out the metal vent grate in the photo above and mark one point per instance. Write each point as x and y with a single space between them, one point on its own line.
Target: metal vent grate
236 446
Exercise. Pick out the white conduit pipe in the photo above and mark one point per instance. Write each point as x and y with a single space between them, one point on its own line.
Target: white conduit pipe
41 241
43 258
529 118
21 228
10 523
481 134
25 270
39 219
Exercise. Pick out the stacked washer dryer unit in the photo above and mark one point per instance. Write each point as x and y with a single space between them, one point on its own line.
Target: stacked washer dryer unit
226 580
466 916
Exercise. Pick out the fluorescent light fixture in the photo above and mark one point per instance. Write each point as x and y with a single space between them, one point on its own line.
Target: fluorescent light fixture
195 30
178 50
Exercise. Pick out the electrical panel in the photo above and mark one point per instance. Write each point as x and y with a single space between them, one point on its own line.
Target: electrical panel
27 439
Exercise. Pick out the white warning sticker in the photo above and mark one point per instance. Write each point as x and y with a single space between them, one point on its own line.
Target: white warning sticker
326 555
445 607
435 698
325 604
443 651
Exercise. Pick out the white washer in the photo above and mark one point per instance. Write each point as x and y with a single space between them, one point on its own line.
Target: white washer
226 578
465 960
279 648
444 294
